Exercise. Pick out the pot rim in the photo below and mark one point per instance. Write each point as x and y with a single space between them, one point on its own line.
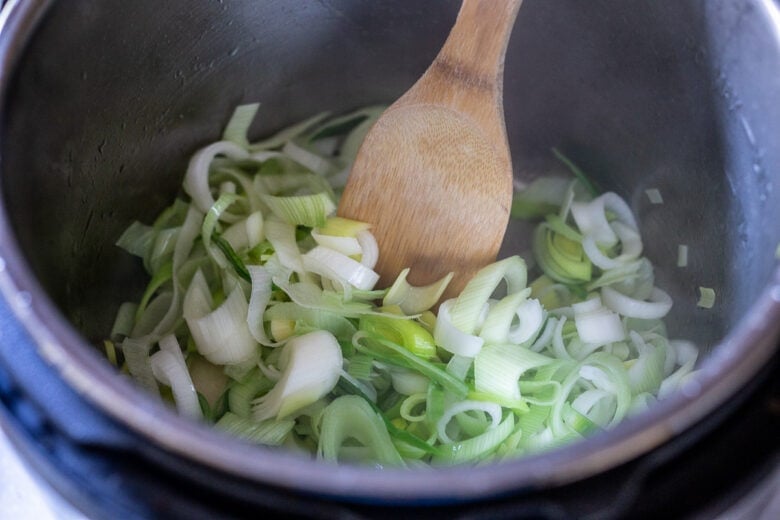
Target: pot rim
730 366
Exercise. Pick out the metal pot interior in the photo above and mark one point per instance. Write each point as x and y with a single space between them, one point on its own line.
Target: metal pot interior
111 97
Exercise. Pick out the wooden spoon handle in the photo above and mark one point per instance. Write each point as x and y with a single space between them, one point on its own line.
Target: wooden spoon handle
474 51
467 74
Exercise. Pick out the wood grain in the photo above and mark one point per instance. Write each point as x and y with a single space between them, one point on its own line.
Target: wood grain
434 174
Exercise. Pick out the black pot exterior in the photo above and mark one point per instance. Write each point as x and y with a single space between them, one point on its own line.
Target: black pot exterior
681 96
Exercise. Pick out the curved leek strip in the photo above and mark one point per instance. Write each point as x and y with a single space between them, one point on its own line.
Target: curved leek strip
545 338
306 158
281 235
591 217
500 316
410 403
311 366
596 324
213 216
468 307
348 246
246 233
559 258
647 372
497 369
288 133
196 180
339 268
656 308
138 240
269 433
399 356
222 336
406 382
452 339
628 271
531 317
312 319
258 301
136 352
631 247
475 448
301 210
404 332
414 300
369 249
351 417
170 369
123 323
239 123
492 409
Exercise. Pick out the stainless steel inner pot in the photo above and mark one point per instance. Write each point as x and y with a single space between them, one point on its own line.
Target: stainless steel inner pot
103 101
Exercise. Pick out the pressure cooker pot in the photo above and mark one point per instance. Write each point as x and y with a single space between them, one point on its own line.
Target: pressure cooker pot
103 102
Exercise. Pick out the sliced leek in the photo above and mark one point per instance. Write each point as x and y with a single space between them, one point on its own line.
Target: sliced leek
262 316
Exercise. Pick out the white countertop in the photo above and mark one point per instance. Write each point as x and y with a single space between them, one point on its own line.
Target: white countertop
24 496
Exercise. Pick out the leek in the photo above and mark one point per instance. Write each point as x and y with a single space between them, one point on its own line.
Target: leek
274 299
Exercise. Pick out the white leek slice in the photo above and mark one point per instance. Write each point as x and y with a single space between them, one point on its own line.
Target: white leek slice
348 246
306 158
369 249
647 372
452 339
477 447
597 325
340 268
656 308
246 233
258 301
591 217
531 316
239 123
406 382
288 133
170 369
311 365
302 210
351 417
492 409
469 305
196 180
222 336
631 248
414 300
497 369
281 235
500 315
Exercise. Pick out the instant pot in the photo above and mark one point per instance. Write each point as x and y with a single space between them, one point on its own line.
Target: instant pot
103 101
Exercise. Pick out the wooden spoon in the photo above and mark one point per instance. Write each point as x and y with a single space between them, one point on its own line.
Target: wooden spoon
434 174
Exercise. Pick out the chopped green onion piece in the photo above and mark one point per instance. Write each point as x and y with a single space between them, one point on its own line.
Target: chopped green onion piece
654 195
706 297
682 255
